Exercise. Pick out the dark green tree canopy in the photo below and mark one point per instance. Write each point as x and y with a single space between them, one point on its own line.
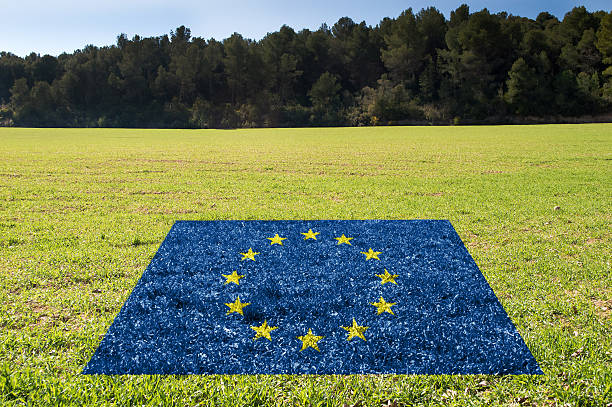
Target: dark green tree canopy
419 67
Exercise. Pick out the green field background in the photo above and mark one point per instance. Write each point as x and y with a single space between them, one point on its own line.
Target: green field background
83 211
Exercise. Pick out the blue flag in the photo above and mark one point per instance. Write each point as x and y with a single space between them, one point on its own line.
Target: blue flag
312 297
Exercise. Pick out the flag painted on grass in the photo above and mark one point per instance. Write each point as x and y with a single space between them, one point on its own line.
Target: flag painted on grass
312 297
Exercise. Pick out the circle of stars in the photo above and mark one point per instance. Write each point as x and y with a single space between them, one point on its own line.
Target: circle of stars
310 340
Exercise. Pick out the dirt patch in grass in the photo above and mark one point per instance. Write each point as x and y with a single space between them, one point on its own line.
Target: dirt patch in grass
221 198
593 240
64 209
15 291
154 193
42 316
145 171
474 242
424 193
151 160
544 165
38 308
563 321
162 211
39 314
602 308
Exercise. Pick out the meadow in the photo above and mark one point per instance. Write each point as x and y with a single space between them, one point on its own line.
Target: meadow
83 211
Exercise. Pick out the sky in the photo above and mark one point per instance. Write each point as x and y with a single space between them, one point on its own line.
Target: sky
56 26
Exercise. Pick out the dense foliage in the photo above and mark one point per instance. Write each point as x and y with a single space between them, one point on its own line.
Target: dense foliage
477 67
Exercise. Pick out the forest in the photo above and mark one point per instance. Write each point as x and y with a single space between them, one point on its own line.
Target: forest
418 68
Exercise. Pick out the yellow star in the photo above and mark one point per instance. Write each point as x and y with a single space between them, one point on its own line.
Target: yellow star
343 239
387 277
383 306
276 240
236 306
232 278
355 331
310 235
371 254
263 331
309 340
249 255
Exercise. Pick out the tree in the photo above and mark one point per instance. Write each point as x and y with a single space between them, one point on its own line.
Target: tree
279 55
11 68
324 92
604 45
236 65
404 55
522 84
431 24
604 38
575 23
386 103
355 48
325 98
565 89
20 98
42 68
475 64
287 76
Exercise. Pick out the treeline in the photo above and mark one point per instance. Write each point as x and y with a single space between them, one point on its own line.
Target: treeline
416 68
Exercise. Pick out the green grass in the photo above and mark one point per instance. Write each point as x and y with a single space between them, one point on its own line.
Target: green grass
82 212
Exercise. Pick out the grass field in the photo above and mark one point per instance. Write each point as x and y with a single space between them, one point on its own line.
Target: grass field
82 212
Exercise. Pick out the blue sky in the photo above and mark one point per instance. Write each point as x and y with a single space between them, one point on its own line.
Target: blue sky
52 27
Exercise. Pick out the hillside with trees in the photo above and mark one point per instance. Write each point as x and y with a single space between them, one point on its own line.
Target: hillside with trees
417 68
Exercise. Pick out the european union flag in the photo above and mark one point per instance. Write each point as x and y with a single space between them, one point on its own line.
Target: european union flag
322 297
